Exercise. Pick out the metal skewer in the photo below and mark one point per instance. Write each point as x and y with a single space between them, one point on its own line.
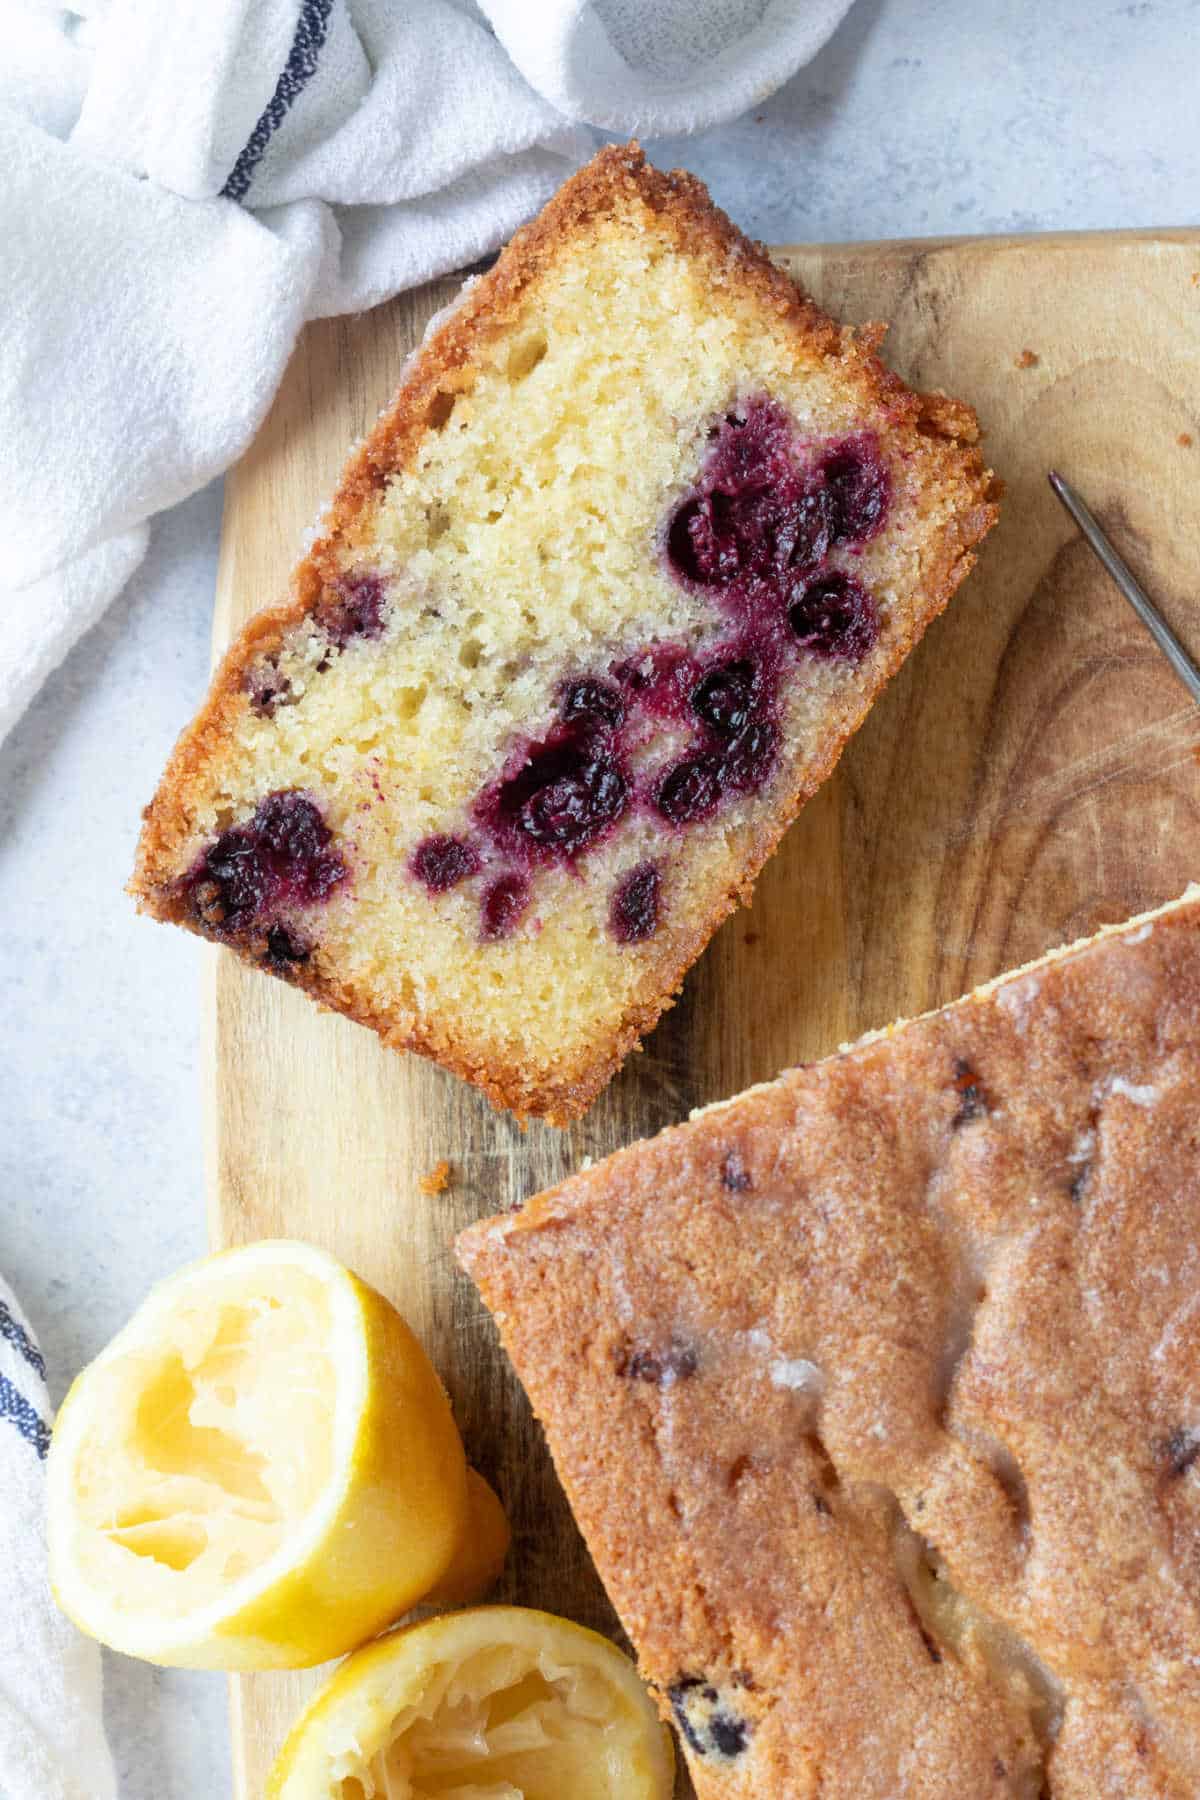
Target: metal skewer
1130 586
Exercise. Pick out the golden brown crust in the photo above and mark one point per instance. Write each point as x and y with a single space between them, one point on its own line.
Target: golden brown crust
617 178
874 1394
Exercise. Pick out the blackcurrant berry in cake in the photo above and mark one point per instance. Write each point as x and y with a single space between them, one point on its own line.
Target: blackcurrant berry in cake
728 1734
690 790
836 617
734 1174
859 491
723 698
1182 1449
563 798
284 950
354 609
442 862
280 857
695 547
972 1097
660 1368
750 756
731 526
503 903
289 831
752 450
268 688
633 915
712 1725
805 530
683 1694
593 703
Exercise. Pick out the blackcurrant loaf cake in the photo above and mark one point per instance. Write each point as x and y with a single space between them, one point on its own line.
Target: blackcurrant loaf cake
876 1394
592 613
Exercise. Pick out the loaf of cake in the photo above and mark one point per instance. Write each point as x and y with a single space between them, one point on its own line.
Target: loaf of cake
593 611
876 1394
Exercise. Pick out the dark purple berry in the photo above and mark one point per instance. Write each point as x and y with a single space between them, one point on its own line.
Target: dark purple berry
699 550
442 862
353 608
724 696
835 616
752 449
267 688
859 490
731 527
680 1695
734 1174
633 915
660 1368
1181 1449
748 758
728 1734
292 832
972 1097
805 531
279 857
564 798
502 905
716 538
597 704
284 949
690 790
711 1725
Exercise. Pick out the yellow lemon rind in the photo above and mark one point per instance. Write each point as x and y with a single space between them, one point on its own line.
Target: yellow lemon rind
382 1534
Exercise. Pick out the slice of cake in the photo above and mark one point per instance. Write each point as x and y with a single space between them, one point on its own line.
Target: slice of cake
594 610
876 1393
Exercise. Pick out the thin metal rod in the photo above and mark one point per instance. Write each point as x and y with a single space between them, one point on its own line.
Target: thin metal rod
1130 586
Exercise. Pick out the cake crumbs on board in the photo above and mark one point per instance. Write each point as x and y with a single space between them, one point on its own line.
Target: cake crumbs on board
437 1180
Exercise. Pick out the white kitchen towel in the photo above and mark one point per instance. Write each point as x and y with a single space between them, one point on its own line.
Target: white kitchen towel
185 185
52 1744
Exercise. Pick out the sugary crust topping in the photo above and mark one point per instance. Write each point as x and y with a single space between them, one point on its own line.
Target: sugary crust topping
617 191
926 1475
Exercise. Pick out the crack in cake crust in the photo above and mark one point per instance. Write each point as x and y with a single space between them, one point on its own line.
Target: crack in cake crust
956 1549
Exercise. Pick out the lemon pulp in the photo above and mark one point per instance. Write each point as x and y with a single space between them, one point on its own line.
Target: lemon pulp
261 1470
496 1703
505 1730
216 1442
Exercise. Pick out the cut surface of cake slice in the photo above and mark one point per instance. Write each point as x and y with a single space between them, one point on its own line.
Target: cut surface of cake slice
876 1395
592 613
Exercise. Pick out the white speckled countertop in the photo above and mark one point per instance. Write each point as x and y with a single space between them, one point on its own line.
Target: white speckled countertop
922 117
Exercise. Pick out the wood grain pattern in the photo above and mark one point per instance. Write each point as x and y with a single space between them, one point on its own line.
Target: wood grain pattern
1031 774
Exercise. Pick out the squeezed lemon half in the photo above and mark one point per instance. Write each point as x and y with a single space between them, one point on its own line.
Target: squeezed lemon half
497 1703
260 1471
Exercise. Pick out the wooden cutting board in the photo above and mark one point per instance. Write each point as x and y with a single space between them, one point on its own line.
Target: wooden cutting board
1032 774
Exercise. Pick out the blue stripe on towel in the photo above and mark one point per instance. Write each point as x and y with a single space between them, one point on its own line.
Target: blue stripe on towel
301 65
32 1428
19 1338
